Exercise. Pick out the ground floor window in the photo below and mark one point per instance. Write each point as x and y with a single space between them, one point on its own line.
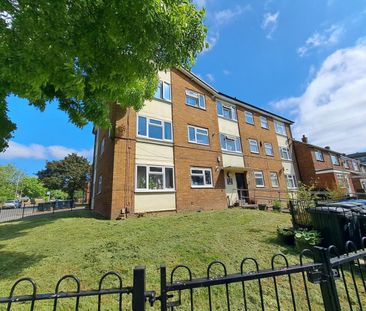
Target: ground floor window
274 179
201 177
154 178
291 181
259 179
100 184
341 180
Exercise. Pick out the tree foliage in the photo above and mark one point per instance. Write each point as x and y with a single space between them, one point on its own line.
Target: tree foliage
10 177
68 175
32 187
87 54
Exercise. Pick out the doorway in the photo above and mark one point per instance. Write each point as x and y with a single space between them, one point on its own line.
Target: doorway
242 186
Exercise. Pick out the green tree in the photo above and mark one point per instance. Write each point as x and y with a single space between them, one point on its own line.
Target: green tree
32 187
86 54
68 175
58 194
10 181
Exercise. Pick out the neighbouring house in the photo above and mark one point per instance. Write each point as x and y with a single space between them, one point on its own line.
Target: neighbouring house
191 148
328 168
358 156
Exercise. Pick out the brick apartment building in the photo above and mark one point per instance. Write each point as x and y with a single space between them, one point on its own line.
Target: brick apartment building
328 168
191 148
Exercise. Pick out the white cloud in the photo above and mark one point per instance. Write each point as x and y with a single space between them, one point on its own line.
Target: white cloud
200 3
226 72
210 77
212 40
328 37
270 23
332 109
39 152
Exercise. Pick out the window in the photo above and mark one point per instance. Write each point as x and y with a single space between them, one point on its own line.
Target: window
259 180
264 122
201 178
280 128
102 146
154 129
226 111
230 143
274 179
285 153
346 164
195 100
319 155
341 180
291 181
253 146
268 149
100 184
355 166
154 178
198 135
163 91
249 118
334 159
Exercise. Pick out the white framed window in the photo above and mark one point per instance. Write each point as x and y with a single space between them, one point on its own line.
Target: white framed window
291 181
253 146
154 178
249 118
334 159
274 179
280 128
102 146
319 155
259 179
100 184
264 122
154 129
230 143
163 91
341 180
285 153
355 166
198 135
201 177
268 149
346 164
226 111
195 99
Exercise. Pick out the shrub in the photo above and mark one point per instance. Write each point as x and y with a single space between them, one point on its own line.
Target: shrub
286 235
307 238
276 205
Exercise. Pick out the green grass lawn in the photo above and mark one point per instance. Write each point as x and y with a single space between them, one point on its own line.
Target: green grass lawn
47 248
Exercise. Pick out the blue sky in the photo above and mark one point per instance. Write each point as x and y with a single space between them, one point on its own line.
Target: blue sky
305 60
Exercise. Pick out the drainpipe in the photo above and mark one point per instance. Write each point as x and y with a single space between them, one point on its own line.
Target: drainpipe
95 163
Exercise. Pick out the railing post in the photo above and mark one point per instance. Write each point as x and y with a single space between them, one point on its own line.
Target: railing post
138 293
163 294
23 212
328 286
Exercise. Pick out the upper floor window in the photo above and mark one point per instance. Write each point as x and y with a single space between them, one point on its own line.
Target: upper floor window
230 143
264 122
226 111
334 159
154 129
154 178
268 149
163 91
102 146
346 164
285 153
249 118
201 177
198 135
319 155
195 99
280 128
100 184
253 146
274 179
291 181
355 166
259 179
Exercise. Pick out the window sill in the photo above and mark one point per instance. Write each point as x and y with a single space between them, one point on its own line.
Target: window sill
155 191
201 144
232 120
154 141
283 135
201 187
196 107
253 124
286 160
254 152
163 100
262 187
232 152
270 155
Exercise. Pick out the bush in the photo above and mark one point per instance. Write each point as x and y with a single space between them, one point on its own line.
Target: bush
276 205
307 239
286 235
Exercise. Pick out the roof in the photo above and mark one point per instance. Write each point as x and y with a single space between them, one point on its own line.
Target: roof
320 148
229 98
357 155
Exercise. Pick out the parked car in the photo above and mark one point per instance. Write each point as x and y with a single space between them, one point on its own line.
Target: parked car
12 204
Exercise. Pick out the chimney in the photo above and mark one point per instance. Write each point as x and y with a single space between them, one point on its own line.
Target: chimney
327 147
304 139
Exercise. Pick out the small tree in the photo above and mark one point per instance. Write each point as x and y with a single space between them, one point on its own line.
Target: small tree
10 181
33 188
336 193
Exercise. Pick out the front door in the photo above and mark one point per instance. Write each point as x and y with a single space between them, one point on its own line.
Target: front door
242 186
